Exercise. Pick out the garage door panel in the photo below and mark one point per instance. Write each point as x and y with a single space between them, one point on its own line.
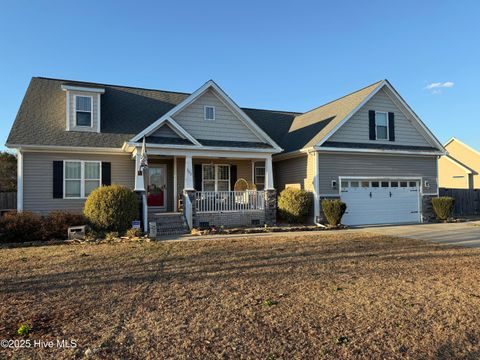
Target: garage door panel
380 205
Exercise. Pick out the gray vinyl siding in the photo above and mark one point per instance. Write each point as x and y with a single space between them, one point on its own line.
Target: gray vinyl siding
332 166
165 131
38 179
226 126
95 109
291 172
356 129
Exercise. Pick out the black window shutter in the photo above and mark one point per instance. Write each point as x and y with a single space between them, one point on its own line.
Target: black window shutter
58 179
197 177
371 124
391 126
233 177
106 173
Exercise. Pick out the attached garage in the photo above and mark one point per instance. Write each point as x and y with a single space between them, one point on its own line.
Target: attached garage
380 201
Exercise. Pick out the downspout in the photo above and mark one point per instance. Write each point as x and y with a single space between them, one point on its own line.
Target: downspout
316 190
19 180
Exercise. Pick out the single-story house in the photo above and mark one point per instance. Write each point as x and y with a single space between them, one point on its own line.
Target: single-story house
367 148
459 168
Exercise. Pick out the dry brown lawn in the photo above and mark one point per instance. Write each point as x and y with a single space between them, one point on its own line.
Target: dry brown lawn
324 295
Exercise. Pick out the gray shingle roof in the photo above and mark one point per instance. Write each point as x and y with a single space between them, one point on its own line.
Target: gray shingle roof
126 111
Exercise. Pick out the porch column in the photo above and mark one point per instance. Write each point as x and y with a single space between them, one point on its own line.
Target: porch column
175 200
140 189
188 173
316 192
139 179
269 174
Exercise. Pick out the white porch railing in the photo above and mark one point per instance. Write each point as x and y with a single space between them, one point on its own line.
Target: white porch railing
188 211
222 201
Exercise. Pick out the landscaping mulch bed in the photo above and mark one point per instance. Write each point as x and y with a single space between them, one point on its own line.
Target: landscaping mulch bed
321 295
265 229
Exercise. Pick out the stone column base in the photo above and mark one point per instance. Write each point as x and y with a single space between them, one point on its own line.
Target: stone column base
270 207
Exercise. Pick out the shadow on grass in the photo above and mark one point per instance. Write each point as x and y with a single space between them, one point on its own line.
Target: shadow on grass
237 260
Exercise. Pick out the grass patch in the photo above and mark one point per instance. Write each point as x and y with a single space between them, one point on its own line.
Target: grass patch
400 298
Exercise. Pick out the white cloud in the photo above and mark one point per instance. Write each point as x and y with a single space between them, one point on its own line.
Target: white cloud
437 87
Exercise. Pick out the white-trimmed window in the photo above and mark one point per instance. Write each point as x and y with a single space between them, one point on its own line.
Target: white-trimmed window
381 125
215 177
80 177
259 174
83 110
209 112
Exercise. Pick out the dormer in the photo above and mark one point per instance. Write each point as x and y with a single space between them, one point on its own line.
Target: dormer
83 108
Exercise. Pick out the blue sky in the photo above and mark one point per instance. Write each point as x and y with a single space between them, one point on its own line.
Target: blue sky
265 54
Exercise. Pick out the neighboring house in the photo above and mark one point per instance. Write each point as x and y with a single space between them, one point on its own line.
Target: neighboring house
367 148
459 169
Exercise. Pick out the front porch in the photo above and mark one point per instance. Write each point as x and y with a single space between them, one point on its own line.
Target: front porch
205 189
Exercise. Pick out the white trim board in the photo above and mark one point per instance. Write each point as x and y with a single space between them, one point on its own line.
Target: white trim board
177 128
378 151
429 135
129 146
83 88
202 152
222 96
66 149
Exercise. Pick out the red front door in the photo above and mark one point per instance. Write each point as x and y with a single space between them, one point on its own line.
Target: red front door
157 185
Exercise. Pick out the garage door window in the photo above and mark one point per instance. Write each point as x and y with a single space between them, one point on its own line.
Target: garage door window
394 184
384 184
354 183
365 183
413 184
375 183
403 184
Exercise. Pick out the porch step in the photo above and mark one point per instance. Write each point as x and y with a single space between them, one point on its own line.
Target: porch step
169 223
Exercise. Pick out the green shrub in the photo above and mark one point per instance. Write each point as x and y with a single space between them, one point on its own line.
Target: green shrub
443 207
21 227
111 208
333 210
56 224
24 329
294 204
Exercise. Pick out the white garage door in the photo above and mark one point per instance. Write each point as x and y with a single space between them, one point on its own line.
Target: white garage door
380 201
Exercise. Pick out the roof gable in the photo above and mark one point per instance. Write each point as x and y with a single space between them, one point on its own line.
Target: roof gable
463 153
227 124
407 131
208 88
314 125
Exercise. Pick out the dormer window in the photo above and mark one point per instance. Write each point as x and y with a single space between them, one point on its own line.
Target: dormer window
83 110
209 112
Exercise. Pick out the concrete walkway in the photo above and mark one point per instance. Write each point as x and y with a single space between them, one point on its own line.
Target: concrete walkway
460 234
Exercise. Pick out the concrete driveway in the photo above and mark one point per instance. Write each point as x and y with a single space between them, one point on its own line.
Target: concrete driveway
461 234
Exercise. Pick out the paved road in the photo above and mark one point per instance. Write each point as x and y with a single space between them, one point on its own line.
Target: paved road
462 234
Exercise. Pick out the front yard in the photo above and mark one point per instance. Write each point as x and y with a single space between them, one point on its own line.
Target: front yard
321 295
